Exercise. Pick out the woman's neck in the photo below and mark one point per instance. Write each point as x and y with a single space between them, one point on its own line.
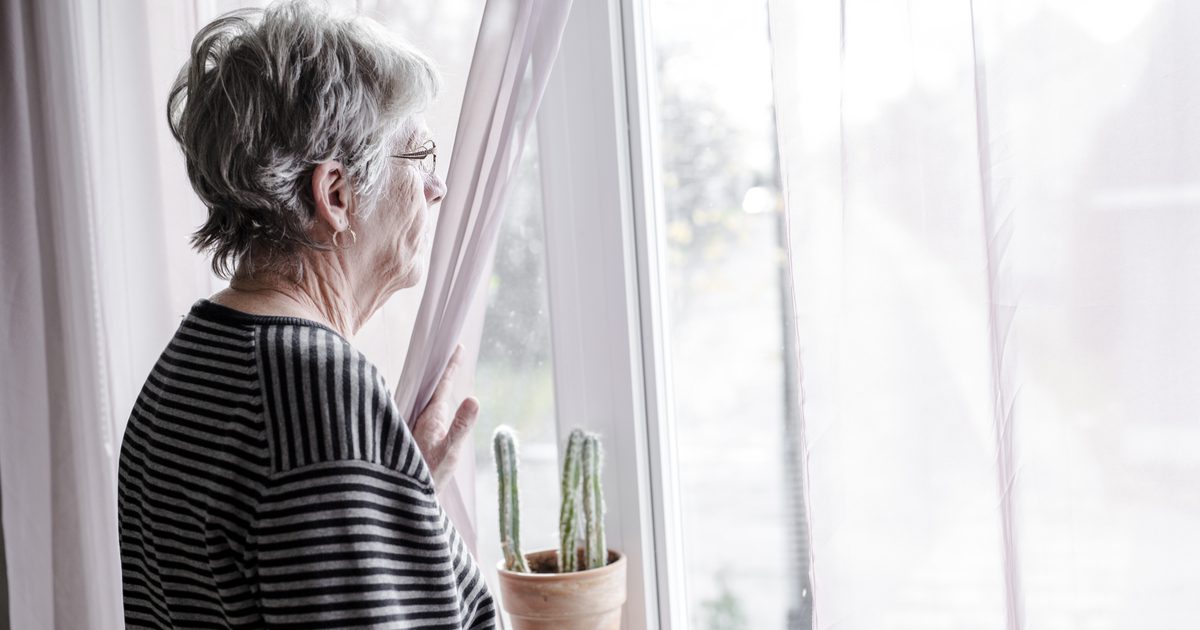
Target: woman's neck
324 301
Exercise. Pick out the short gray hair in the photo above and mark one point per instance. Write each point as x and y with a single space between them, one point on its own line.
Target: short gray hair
266 95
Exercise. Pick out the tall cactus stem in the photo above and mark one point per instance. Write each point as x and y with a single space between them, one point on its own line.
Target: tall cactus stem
593 502
504 444
568 516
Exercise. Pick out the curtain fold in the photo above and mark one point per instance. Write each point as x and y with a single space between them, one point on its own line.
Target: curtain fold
991 217
518 41
56 435
1002 294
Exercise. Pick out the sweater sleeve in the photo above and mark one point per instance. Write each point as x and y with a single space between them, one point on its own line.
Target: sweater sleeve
355 544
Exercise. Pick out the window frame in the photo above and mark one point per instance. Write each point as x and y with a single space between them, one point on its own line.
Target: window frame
611 373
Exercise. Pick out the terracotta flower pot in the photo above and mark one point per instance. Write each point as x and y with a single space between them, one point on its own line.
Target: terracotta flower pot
547 600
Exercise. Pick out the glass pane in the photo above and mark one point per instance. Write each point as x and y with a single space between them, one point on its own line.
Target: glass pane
719 192
513 379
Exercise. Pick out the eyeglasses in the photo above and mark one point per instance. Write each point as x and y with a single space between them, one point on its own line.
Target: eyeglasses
426 155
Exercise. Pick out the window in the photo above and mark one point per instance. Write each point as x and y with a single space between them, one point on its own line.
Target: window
513 377
717 175
660 189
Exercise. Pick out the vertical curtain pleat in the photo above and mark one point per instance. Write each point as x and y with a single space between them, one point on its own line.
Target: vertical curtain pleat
801 615
25 478
57 436
998 231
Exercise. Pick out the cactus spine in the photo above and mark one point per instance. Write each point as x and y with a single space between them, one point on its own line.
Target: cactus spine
568 515
593 502
504 444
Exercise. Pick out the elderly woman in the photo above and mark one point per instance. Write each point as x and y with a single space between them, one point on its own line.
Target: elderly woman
267 478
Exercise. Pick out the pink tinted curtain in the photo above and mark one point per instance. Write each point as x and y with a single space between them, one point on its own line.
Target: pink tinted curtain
993 214
95 273
57 444
518 41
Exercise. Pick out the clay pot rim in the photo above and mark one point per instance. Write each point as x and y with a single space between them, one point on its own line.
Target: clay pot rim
542 577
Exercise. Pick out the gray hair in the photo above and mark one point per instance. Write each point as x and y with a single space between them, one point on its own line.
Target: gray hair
266 96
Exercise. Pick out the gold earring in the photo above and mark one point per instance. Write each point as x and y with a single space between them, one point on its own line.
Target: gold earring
353 240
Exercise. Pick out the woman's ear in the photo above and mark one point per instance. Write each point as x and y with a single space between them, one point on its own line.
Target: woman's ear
333 196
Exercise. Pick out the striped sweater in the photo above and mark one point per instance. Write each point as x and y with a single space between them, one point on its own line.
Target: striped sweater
267 479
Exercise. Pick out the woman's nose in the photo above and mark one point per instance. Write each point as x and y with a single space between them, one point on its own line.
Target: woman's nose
435 189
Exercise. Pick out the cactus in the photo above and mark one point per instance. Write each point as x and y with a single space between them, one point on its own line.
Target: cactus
505 447
581 472
593 502
568 515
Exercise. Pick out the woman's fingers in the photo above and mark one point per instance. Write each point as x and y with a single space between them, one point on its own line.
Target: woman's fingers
431 427
451 446
439 434
446 383
464 419
434 421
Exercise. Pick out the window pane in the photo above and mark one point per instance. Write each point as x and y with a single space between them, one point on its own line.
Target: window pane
513 380
718 178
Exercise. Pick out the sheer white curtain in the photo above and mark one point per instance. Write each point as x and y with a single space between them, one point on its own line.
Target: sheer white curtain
518 41
57 439
96 270
993 208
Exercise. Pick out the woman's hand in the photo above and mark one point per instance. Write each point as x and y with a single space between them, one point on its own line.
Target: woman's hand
439 435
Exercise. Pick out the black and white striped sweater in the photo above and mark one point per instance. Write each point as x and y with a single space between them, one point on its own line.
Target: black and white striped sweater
267 480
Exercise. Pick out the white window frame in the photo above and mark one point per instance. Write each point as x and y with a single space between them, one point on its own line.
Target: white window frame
603 283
